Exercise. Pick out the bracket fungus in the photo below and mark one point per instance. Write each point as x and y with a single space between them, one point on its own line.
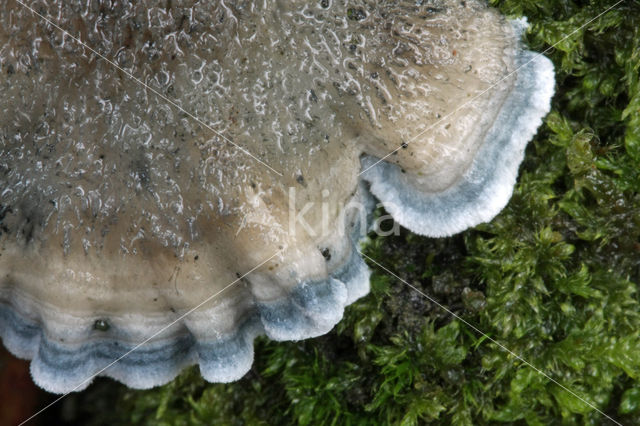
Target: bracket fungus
188 141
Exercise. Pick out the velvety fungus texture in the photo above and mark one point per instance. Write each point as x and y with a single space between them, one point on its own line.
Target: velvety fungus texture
120 212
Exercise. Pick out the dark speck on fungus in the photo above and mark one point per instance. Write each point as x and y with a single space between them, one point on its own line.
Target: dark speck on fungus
326 253
86 238
101 325
356 14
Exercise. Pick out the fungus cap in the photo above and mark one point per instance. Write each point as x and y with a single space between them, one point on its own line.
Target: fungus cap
119 212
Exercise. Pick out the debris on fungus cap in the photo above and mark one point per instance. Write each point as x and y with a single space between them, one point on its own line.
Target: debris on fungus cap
119 212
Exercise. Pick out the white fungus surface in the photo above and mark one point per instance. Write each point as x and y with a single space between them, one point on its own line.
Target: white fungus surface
119 212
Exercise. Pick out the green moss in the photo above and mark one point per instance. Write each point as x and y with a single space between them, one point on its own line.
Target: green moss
554 278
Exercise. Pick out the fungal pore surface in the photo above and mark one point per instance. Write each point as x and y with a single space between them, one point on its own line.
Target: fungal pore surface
226 135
